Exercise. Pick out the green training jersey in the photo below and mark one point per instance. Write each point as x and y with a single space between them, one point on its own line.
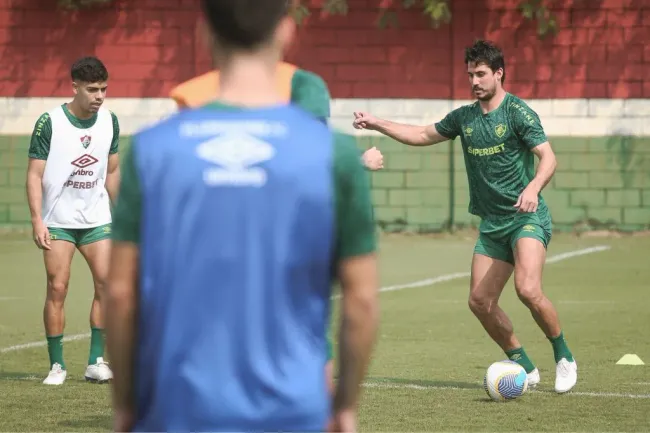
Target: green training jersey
497 151
310 93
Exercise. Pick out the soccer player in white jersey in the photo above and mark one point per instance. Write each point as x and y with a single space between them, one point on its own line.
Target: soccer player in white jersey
73 171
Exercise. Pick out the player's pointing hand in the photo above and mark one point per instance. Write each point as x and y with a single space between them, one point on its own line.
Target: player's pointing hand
364 120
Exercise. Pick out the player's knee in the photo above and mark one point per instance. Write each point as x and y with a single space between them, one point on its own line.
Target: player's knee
481 305
529 291
57 290
100 288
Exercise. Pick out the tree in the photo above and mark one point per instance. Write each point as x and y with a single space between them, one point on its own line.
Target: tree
437 10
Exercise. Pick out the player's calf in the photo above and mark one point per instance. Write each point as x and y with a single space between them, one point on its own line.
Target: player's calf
57 268
531 295
489 276
53 315
96 250
530 255
57 291
97 340
54 319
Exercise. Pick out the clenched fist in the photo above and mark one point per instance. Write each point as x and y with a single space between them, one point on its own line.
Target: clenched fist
373 159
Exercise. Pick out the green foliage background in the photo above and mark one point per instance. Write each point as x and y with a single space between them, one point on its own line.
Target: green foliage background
438 11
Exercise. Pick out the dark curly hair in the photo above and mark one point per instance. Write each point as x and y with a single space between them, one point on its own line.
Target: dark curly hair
89 70
488 53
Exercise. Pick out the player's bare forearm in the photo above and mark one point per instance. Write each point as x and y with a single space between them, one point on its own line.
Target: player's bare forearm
113 185
113 177
546 167
545 172
412 135
120 311
34 197
359 323
35 170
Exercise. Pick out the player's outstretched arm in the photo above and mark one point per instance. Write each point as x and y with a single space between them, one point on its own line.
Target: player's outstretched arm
120 306
358 276
412 135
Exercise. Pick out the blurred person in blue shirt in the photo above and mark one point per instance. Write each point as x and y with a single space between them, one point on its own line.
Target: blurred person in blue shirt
232 223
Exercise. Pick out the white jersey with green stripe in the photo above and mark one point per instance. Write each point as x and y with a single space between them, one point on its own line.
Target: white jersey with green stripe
76 153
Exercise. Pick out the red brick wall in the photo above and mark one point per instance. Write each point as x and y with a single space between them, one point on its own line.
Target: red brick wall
598 53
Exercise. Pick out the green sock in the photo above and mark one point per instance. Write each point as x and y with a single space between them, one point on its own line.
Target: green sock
55 350
521 358
560 348
96 345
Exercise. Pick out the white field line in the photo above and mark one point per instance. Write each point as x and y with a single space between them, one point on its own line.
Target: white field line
577 253
42 343
415 284
585 302
455 388
416 387
458 275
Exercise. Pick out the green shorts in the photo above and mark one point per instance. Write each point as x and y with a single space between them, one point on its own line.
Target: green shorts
497 238
81 237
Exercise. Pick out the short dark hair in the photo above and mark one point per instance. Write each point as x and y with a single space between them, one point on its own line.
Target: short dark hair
488 53
89 70
244 24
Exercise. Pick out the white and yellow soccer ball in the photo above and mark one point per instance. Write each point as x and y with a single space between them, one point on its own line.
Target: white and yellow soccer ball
505 380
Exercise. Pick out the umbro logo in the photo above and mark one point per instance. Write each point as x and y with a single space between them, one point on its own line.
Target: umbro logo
84 161
235 153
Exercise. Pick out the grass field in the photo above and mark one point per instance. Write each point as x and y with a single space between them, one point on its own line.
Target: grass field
432 353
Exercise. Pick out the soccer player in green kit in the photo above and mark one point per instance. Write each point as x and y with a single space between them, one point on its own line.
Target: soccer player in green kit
500 136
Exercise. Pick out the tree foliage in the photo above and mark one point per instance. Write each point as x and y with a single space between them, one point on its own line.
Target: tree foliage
80 4
438 11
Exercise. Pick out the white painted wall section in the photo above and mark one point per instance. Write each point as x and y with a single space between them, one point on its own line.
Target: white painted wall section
560 117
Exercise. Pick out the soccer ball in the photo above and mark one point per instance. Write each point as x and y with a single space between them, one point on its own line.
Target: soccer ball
505 380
